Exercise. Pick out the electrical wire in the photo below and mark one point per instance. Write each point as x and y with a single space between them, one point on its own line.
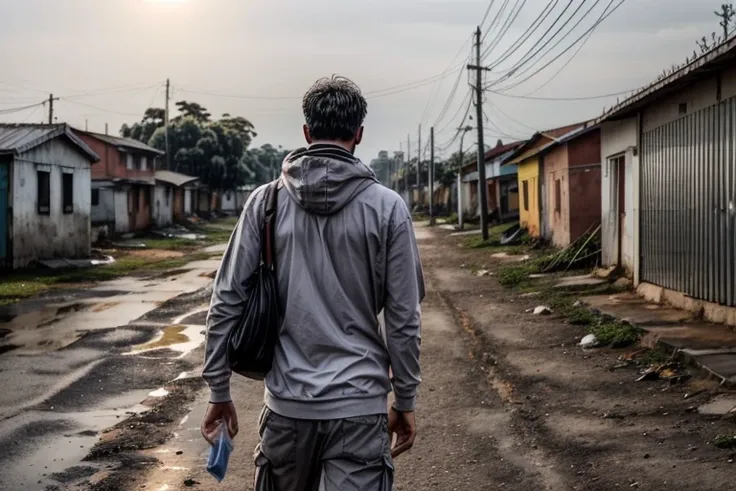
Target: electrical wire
603 17
524 37
559 99
515 11
114 90
437 84
528 59
32 113
469 98
111 111
500 111
13 110
488 11
448 103
496 20
565 65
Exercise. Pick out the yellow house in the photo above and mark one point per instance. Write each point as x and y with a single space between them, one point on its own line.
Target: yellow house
529 164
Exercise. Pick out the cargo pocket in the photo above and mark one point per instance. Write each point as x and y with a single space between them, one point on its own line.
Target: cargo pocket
387 483
263 479
365 438
278 440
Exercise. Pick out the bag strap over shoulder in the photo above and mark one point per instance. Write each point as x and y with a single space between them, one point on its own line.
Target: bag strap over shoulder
268 238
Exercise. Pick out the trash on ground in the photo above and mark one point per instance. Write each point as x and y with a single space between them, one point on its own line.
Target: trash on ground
75 263
178 232
672 372
129 245
513 235
542 310
589 341
484 272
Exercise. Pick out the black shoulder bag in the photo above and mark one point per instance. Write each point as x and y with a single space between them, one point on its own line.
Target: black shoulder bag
251 344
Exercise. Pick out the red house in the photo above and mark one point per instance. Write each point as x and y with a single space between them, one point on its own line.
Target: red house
122 182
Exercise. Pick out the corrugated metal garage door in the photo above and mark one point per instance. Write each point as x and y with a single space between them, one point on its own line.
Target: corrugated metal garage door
687 204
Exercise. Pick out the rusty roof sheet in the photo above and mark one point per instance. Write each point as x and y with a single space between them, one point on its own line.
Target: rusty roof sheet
126 143
20 138
174 178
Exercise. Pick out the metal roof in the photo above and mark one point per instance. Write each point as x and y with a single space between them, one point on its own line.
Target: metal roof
576 133
174 178
721 56
20 138
126 143
527 150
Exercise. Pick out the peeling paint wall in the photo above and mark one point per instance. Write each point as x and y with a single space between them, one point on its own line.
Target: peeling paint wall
619 139
56 235
188 196
163 205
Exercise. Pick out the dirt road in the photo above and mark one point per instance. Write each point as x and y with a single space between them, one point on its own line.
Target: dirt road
508 402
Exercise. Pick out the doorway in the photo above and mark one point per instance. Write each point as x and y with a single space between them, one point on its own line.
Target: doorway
4 220
618 202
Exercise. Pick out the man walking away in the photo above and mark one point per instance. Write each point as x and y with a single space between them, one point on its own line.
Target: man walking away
345 250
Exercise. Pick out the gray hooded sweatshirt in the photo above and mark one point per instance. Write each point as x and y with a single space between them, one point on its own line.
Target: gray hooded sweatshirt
345 251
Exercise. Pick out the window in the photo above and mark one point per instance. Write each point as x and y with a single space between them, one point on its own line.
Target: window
129 161
558 195
525 194
44 192
67 193
168 196
144 163
95 197
682 108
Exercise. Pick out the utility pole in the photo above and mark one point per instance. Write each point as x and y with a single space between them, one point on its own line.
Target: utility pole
51 107
166 123
460 177
431 176
482 189
406 174
420 194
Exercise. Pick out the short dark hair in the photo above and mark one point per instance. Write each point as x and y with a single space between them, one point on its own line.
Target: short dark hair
334 109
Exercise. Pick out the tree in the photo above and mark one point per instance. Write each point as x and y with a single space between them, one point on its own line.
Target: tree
193 110
153 119
726 14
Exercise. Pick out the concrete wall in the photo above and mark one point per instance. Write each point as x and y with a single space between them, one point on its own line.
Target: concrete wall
163 205
58 234
188 198
139 207
529 215
227 202
697 96
556 168
104 211
619 138
122 217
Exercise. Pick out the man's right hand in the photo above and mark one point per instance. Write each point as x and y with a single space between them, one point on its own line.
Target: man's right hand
404 426
217 414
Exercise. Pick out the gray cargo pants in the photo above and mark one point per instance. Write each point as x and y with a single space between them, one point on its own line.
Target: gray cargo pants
351 454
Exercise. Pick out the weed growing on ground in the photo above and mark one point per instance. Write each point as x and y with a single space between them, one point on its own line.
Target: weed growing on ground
616 334
725 441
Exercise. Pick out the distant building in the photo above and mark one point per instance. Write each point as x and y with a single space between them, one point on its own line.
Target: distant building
173 197
123 182
44 194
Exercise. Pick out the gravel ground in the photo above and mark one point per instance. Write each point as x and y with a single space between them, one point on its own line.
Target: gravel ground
509 402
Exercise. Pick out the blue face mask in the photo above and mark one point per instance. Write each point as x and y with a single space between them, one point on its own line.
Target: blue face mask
220 454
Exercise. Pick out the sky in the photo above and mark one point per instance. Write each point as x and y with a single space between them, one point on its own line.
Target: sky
108 61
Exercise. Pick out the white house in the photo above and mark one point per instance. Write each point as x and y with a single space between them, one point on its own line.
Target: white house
668 180
45 173
172 197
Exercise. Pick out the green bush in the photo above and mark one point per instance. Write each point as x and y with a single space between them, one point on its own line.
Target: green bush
616 334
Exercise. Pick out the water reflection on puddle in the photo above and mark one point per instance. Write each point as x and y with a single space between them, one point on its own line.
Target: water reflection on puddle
180 338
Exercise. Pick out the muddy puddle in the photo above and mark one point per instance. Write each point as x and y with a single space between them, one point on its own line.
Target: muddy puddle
179 338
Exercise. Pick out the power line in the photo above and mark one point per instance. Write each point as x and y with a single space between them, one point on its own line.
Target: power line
488 11
603 17
559 99
565 65
495 20
533 53
468 97
498 109
111 111
505 28
524 37
19 109
446 107
434 90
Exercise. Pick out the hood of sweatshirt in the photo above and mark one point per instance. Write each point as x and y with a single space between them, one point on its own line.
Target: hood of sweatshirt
324 178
